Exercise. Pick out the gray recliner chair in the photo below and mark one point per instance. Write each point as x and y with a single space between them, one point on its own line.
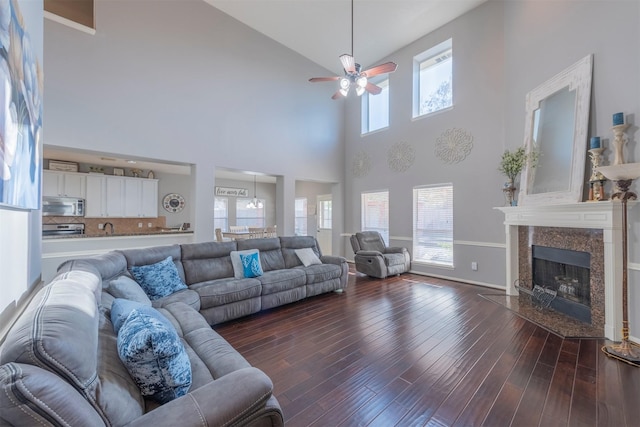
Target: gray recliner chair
375 259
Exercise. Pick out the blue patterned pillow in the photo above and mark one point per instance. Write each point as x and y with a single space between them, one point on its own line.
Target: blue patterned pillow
251 266
152 352
158 280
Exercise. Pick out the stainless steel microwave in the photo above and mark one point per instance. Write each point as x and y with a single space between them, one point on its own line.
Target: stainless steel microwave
62 206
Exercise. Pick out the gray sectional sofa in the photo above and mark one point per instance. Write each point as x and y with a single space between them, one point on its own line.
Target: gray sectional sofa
60 363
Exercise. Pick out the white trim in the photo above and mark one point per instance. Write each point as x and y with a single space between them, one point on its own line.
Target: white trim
455 279
69 23
481 244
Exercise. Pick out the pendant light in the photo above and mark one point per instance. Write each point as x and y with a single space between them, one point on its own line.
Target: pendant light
255 203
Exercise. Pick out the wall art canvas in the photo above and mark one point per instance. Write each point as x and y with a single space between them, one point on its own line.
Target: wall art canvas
21 85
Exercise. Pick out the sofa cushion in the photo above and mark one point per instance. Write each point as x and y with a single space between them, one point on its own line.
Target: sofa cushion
321 272
282 280
187 296
236 261
251 264
226 291
127 288
291 243
159 279
207 261
152 351
270 252
307 257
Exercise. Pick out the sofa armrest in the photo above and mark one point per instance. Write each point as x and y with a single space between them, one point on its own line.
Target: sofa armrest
395 250
332 259
369 253
233 399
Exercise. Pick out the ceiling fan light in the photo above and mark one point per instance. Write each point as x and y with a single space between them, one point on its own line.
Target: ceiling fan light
344 92
359 90
362 81
345 83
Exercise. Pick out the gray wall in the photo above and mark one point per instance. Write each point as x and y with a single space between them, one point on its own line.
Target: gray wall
502 50
181 81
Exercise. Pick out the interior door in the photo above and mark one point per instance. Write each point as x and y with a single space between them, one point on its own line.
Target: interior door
325 214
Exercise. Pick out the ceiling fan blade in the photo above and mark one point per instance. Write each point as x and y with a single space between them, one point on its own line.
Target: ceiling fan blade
336 95
387 67
373 89
348 63
324 79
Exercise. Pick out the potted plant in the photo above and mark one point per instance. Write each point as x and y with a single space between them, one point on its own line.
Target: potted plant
511 165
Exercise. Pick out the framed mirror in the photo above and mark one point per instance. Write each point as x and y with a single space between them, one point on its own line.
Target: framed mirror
556 125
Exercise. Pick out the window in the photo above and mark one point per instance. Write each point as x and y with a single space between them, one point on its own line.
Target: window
433 79
221 213
433 224
375 108
251 217
375 213
324 213
300 222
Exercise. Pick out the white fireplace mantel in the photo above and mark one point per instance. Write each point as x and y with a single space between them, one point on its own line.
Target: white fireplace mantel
604 215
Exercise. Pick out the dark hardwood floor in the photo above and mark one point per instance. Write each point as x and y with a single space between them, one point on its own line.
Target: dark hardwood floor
414 351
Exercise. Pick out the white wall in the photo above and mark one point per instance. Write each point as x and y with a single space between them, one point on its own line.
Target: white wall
502 50
20 231
181 81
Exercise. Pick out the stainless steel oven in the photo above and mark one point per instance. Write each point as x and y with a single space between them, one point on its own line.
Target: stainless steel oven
62 229
62 206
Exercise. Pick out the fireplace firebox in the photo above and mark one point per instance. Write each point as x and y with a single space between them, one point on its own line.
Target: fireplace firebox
567 272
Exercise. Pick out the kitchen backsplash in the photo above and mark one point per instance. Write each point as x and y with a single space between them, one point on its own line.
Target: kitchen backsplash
120 225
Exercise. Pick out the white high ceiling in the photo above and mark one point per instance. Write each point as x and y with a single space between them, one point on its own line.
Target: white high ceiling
320 30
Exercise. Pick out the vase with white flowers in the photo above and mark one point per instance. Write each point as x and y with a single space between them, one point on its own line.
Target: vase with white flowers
511 165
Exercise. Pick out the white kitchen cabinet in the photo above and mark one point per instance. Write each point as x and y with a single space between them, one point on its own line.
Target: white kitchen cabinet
121 197
63 184
141 198
114 193
96 203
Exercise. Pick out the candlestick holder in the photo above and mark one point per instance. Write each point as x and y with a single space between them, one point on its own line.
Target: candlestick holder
623 175
618 143
597 179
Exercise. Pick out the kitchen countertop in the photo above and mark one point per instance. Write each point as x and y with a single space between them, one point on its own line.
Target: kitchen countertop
160 232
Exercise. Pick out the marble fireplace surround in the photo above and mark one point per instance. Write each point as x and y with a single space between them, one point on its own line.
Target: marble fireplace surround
524 226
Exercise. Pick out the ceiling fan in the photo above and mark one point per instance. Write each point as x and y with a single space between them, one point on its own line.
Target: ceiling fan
354 76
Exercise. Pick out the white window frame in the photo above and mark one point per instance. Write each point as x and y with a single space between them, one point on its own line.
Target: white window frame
367 200
434 57
368 106
300 219
433 226
221 222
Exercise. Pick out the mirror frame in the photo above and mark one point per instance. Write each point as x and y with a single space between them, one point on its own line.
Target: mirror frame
577 77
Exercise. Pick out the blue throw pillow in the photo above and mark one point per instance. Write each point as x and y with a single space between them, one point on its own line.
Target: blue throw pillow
153 353
251 266
158 280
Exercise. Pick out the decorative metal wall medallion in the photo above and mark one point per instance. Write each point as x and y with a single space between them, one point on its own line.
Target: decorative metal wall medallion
361 164
454 145
401 156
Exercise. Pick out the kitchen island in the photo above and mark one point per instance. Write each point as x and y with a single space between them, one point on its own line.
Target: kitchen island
57 249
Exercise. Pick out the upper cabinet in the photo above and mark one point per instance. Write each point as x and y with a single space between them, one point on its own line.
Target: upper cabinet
121 197
64 184
141 198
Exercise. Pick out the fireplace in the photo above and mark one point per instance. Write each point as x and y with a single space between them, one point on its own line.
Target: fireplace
566 273
565 226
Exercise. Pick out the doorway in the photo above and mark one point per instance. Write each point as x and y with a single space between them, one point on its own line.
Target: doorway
325 234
